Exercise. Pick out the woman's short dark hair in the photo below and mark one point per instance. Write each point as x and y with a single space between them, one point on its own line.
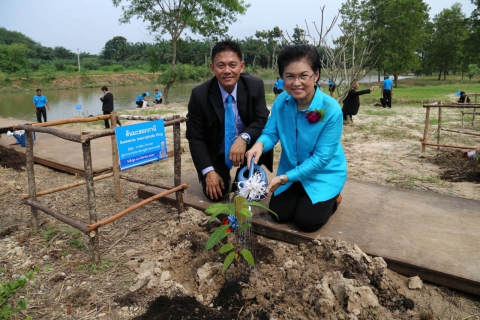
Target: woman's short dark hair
104 88
227 45
293 53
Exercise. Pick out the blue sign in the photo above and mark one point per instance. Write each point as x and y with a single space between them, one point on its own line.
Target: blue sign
141 143
78 107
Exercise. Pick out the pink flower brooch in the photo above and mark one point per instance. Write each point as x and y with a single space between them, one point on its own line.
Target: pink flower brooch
315 115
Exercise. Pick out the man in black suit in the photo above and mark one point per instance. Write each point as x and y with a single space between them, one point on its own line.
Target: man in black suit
107 106
351 103
206 120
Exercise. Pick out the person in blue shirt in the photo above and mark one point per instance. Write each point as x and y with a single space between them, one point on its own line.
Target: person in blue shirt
387 92
331 86
278 87
308 123
40 102
157 97
141 100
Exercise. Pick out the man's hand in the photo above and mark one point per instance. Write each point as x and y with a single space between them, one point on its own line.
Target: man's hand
237 152
214 185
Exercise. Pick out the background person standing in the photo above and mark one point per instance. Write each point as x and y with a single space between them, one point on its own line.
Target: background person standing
107 105
387 92
39 102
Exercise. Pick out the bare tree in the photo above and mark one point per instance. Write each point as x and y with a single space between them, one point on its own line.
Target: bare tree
344 59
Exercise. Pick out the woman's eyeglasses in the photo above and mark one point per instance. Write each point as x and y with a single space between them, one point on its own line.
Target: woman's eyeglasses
302 78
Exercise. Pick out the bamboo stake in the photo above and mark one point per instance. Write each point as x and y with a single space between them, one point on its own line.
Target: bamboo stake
117 216
453 106
59 133
71 222
92 211
145 182
177 176
463 132
145 118
115 160
439 126
70 120
32 189
447 146
425 130
66 186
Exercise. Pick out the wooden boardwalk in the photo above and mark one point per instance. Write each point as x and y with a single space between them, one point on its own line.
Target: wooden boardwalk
417 232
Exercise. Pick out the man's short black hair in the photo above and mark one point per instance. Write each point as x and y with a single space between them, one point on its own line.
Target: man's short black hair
104 88
227 45
39 90
156 89
144 94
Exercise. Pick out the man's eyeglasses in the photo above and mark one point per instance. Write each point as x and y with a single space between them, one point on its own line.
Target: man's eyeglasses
302 78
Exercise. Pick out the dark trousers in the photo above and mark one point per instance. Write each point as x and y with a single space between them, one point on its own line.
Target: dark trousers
295 205
41 111
139 103
158 101
346 116
387 99
224 172
107 123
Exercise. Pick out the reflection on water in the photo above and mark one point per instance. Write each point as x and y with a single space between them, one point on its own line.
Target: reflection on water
63 102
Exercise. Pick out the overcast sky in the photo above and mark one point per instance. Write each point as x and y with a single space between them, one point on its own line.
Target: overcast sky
88 24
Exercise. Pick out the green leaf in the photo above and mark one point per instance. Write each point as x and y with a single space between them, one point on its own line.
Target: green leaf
245 212
244 226
226 247
247 255
228 261
257 204
240 203
218 208
216 236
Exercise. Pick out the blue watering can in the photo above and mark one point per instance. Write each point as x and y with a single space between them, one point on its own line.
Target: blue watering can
253 168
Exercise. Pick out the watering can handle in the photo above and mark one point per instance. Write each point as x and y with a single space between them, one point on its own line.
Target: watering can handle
252 167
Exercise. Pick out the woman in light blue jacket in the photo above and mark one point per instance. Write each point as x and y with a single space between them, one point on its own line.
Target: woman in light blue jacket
308 123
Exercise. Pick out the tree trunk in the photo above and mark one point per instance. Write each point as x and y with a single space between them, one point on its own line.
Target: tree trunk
395 79
379 75
172 70
440 75
445 72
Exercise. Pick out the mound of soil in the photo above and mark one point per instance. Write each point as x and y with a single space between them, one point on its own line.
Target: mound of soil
455 167
9 158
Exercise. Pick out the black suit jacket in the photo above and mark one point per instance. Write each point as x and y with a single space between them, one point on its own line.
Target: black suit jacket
351 103
107 102
206 117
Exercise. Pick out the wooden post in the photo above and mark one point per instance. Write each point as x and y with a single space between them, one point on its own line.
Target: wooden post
115 161
177 175
439 126
32 189
425 130
92 210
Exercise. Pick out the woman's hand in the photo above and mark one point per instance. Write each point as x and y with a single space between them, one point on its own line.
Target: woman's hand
255 151
276 182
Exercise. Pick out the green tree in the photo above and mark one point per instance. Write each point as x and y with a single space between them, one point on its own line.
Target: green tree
114 49
13 57
203 17
448 38
273 39
399 29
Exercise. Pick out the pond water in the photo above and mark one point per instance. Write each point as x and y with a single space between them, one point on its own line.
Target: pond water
63 102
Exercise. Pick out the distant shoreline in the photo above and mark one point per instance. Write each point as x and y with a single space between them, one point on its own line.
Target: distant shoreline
75 81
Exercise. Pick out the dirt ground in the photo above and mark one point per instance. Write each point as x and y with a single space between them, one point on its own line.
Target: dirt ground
154 266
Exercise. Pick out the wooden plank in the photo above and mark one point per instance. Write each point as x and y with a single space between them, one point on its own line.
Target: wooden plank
417 232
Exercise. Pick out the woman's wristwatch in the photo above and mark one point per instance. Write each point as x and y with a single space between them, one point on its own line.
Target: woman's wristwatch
282 179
